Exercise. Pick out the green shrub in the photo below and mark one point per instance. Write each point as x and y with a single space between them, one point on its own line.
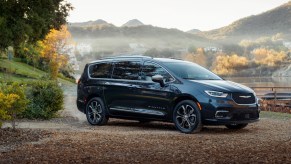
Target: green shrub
46 99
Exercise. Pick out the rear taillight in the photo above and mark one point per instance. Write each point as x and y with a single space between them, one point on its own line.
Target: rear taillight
78 81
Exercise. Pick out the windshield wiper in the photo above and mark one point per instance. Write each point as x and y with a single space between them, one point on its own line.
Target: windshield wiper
211 79
189 78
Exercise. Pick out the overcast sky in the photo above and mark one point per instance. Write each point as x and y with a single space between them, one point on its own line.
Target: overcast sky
180 14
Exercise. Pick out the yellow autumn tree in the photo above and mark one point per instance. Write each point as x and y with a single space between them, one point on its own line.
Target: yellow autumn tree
229 64
197 57
7 105
12 102
268 57
54 49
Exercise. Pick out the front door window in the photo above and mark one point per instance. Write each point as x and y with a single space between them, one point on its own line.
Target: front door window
152 69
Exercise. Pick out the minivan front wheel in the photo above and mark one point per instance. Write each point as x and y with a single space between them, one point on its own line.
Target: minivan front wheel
187 117
95 112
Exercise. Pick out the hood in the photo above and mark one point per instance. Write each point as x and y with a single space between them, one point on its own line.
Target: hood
223 86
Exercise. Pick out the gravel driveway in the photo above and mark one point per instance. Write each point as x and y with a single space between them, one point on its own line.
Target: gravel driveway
72 140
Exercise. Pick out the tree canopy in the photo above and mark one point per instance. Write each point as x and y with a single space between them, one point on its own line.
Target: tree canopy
30 20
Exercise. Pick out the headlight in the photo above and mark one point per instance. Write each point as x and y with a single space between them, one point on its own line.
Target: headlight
216 94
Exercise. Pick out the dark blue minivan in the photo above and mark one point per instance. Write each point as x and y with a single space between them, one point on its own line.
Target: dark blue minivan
160 89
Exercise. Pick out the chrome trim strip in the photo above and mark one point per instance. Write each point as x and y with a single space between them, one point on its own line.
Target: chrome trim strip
245 104
141 111
245 96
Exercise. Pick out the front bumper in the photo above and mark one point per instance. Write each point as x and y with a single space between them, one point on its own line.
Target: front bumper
233 116
225 111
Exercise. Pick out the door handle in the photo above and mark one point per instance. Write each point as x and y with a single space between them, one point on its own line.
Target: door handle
131 86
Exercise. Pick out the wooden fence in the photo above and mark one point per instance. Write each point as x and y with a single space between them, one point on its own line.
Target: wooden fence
277 99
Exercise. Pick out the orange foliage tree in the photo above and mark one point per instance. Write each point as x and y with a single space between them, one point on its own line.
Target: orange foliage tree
54 49
266 57
229 64
197 57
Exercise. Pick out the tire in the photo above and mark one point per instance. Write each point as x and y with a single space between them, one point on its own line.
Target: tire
187 117
236 126
95 112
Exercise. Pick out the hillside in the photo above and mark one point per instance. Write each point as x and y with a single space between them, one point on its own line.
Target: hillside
11 71
133 23
17 71
98 22
194 31
118 39
269 23
136 31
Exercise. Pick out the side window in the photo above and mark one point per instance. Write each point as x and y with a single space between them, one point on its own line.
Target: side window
129 70
100 70
151 69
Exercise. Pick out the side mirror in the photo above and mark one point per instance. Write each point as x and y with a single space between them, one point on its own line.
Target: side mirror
159 79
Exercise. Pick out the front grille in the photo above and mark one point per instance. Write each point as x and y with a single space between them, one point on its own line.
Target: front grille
243 98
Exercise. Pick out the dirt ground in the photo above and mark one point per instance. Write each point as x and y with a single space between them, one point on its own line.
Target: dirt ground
72 140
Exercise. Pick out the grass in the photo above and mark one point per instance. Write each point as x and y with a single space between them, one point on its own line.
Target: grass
21 69
275 115
4 77
20 72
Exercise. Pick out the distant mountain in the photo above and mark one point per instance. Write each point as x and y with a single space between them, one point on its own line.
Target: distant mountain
194 31
119 39
142 31
98 22
269 23
133 23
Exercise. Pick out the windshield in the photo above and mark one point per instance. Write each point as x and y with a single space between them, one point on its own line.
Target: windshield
192 71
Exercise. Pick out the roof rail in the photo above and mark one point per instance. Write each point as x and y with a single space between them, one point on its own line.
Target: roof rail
175 58
126 56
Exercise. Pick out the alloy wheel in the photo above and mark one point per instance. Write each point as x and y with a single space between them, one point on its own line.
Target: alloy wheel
94 111
186 117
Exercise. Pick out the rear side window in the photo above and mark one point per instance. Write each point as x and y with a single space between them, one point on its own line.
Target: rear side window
100 70
128 70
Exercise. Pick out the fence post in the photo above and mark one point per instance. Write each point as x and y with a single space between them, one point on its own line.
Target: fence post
275 99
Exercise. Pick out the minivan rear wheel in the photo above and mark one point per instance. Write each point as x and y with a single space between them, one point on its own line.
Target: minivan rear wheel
236 126
95 112
187 117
